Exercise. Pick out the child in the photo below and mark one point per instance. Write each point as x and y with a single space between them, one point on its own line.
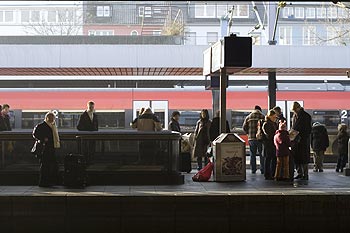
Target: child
342 139
282 143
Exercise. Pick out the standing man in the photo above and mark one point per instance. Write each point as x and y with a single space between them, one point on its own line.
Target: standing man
319 144
174 123
250 126
280 117
88 121
5 118
301 148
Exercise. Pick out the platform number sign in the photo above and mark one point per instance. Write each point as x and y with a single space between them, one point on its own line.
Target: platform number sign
344 117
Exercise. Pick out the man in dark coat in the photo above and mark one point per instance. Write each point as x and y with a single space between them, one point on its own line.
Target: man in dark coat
5 118
88 121
319 144
214 130
301 147
174 123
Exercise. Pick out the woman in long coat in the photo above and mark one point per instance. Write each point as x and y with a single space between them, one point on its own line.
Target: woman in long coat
201 137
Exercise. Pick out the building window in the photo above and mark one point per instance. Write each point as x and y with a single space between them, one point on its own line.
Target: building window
134 33
52 16
6 16
103 11
299 12
157 32
148 11
35 16
221 11
204 11
310 13
285 35
157 10
309 35
25 16
332 13
212 38
288 12
321 13
343 13
100 32
190 38
141 11
241 11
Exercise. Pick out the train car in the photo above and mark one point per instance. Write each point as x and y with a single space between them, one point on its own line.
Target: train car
117 107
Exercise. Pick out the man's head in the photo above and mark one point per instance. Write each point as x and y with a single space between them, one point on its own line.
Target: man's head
50 117
176 115
6 108
91 106
296 107
257 107
277 109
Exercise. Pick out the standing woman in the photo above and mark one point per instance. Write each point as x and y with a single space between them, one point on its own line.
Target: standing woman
46 134
202 137
269 128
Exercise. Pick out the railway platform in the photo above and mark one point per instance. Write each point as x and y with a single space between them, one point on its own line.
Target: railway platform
256 205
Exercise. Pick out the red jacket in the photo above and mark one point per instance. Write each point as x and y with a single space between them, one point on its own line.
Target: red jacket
282 143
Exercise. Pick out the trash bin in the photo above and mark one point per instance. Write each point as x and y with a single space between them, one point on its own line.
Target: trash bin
229 158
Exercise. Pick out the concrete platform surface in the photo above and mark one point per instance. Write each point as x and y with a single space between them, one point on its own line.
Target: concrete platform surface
328 182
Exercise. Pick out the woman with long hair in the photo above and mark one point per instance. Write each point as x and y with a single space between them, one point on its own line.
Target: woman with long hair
202 137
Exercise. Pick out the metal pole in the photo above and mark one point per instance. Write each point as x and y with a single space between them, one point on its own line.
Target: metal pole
347 169
272 85
223 84
216 100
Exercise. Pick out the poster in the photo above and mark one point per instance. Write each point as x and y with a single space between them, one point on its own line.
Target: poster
232 163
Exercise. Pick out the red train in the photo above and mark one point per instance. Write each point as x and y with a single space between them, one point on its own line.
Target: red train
117 107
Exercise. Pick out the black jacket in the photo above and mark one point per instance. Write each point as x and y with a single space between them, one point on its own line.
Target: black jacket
5 123
215 128
269 129
319 138
174 126
42 131
85 123
342 139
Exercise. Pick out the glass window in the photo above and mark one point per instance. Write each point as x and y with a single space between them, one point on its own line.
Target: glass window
343 13
221 10
242 11
321 13
1 16
199 10
330 119
31 119
285 35
205 11
99 11
310 13
134 33
35 16
190 38
332 13
148 11
309 35
25 16
188 120
237 118
157 32
141 11
9 16
106 11
332 35
212 37
288 12
52 16
62 16
299 12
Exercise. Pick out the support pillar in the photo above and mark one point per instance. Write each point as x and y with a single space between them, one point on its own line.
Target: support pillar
223 84
272 85
215 101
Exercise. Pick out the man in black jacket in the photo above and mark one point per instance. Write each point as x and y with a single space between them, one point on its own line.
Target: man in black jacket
174 123
88 121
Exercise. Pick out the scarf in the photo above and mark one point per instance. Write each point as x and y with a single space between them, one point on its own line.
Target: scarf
56 138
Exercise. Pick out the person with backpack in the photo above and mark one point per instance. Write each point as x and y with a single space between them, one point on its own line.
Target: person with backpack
250 126
269 129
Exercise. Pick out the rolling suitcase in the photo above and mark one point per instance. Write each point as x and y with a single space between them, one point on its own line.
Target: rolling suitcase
185 162
75 170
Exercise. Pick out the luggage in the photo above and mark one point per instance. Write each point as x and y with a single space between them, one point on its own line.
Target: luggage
185 162
205 173
75 170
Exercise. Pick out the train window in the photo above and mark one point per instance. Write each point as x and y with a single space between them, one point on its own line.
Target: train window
237 118
31 119
114 120
188 120
330 119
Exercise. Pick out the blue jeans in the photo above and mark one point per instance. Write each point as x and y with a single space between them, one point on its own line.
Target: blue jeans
254 147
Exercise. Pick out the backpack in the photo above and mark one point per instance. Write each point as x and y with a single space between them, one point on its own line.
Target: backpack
260 135
204 174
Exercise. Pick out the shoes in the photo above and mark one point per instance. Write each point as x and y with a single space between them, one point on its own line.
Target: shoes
305 178
337 170
341 170
315 170
253 172
320 170
298 177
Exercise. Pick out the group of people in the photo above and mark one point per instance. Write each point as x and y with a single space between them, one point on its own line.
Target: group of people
281 151
47 141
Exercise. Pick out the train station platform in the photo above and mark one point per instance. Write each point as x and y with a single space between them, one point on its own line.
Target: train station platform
256 205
